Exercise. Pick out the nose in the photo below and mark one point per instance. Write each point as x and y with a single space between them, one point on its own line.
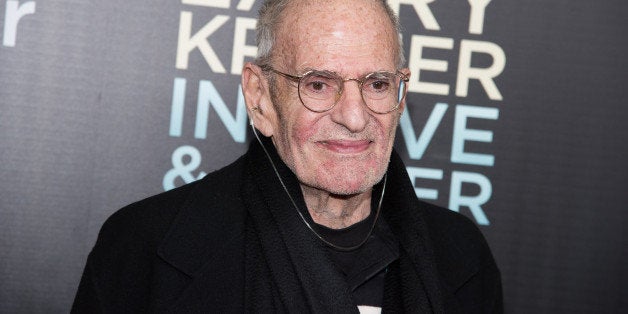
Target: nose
351 111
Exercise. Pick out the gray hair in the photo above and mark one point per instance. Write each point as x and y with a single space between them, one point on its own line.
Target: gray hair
270 16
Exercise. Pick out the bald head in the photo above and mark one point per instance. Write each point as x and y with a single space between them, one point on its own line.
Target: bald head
278 15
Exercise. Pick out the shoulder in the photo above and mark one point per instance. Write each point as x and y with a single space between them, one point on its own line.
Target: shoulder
455 236
445 223
469 277
126 259
147 221
464 260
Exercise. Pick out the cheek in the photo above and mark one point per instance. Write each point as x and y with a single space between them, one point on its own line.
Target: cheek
295 134
300 134
392 127
302 129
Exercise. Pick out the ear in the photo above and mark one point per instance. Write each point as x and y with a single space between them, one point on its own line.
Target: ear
257 98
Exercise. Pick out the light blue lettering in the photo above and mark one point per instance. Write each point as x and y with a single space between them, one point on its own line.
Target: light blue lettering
462 134
182 170
424 173
178 102
207 94
416 148
456 199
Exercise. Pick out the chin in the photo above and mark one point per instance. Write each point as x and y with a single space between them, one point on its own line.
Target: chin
349 182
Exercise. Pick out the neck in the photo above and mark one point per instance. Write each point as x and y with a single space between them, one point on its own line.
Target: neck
336 211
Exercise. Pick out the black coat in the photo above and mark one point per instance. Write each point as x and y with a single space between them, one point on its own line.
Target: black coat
185 251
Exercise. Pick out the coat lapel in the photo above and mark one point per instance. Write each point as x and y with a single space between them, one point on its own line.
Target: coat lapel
202 255
417 258
440 264
205 246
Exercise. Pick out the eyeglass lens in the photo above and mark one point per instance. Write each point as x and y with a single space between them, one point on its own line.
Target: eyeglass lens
381 91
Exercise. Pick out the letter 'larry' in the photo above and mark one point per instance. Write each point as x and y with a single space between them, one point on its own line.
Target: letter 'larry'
319 215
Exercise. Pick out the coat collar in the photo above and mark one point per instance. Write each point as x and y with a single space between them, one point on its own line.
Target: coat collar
432 244
302 272
192 240
205 244
206 239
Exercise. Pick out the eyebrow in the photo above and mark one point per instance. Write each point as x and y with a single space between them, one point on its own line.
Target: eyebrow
319 70
340 75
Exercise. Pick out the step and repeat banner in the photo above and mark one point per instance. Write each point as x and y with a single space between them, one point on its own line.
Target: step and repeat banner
516 117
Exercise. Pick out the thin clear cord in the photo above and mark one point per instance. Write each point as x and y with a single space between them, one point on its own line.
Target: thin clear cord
337 247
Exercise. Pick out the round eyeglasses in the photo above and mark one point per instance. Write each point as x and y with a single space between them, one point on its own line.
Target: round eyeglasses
319 91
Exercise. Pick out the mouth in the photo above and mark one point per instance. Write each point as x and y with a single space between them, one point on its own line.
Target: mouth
346 146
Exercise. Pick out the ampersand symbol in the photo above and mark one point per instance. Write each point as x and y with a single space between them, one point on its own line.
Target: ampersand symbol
183 170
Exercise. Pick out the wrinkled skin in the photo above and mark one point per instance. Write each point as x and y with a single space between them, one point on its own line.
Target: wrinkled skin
340 154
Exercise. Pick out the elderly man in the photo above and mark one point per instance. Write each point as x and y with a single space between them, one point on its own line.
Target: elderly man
319 215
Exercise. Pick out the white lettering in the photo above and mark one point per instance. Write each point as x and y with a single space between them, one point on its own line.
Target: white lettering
484 75
223 4
245 5
418 63
476 20
240 48
422 10
12 15
187 43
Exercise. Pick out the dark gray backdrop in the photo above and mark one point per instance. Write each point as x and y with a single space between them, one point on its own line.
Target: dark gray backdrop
89 92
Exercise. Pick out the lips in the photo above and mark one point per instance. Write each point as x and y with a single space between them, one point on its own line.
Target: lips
346 146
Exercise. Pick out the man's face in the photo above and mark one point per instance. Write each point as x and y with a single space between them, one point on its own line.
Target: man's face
345 150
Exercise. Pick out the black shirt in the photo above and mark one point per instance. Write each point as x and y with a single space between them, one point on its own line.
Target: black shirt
364 268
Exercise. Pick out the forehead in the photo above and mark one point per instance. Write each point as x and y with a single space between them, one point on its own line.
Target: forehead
350 36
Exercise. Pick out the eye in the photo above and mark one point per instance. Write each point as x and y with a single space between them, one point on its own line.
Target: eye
377 85
380 85
319 85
